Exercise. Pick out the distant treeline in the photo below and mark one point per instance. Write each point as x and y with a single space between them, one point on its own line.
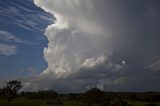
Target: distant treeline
51 94
136 96
92 97
139 96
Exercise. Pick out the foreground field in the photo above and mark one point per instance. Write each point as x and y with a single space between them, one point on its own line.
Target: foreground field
28 102
139 103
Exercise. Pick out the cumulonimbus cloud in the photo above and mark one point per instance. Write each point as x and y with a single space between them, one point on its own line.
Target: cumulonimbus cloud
101 42
77 38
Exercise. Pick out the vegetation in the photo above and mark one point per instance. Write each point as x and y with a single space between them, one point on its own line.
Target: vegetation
92 97
10 90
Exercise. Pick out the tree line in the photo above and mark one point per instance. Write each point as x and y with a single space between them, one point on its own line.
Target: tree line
92 97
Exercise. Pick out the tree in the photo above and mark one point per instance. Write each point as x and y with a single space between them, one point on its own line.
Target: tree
11 89
1 92
50 94
94 97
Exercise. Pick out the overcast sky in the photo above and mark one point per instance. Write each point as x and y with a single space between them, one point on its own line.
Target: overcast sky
74 45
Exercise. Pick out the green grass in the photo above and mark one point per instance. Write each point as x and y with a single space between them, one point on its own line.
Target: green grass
72 103
28 102
139 103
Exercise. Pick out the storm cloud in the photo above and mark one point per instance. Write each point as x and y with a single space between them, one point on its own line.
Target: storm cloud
113 45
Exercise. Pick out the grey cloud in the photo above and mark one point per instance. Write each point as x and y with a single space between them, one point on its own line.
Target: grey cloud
126 32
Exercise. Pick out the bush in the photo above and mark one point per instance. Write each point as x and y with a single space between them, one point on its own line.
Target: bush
151 104
94 97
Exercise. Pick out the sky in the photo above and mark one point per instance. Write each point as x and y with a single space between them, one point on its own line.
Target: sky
75 45
22 25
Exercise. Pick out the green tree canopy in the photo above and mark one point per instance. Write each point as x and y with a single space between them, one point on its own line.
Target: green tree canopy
11 89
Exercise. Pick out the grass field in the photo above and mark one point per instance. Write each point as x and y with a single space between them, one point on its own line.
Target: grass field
139 103
28 102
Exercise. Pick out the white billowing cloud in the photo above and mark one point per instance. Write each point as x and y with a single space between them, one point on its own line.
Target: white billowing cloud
105 62
80 14
91 62
7 50
78 38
